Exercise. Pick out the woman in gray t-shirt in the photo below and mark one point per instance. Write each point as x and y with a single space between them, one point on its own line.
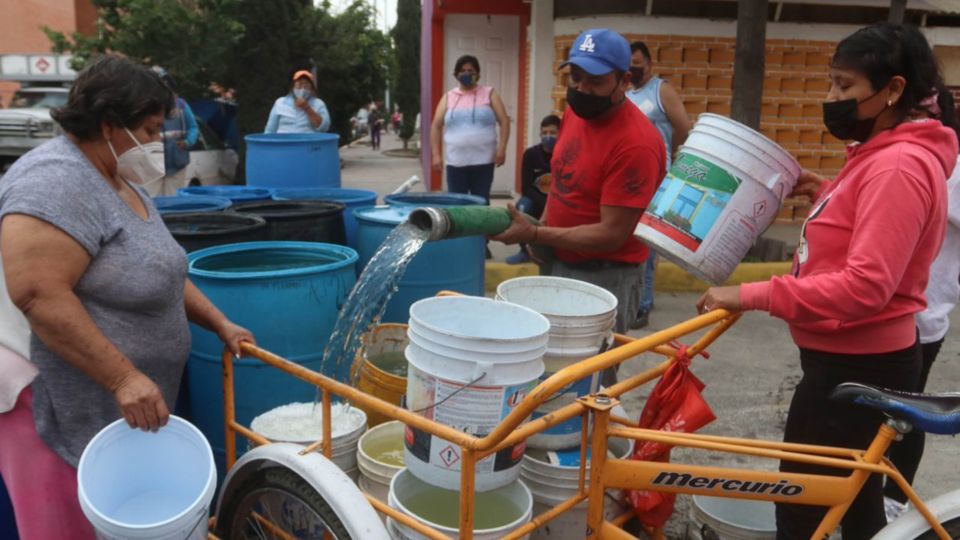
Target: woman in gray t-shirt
103 284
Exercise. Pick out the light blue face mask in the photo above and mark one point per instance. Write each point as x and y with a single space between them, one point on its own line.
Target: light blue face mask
548 142
301 93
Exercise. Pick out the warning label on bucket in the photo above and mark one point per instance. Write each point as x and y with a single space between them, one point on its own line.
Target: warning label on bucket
690 200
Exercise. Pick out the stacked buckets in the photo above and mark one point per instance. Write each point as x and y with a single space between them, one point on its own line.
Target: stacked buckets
470 362
723 190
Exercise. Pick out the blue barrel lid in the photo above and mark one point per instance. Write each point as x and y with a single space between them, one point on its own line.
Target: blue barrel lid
196 203
325 258
389 215
234 193
343 195
288 138
438 199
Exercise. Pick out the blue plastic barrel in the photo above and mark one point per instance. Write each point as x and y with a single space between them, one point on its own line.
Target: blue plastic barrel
438 199
456 264
353 198
289 295
198 203
293 160
237 194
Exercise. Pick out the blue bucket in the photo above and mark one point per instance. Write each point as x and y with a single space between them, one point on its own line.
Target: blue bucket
456 264
289 295
293 160
236 194
352 198
437 199
198 203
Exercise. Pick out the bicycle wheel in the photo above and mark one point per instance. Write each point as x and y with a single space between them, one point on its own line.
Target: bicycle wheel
952 527
287 501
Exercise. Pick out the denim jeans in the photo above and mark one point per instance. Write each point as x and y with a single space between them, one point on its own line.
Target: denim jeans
646 295
472 180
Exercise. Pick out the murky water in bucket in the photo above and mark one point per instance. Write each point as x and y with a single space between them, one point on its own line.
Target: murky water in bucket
369 298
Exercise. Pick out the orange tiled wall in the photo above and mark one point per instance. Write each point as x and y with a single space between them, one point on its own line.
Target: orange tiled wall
701 69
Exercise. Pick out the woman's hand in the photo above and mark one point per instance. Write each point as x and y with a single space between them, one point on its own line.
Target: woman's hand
437 162
301 103
232 335
808 184
501 157
727 298
140 402
520 229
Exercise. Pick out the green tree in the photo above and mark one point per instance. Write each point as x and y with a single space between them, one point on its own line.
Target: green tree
250 46
406 37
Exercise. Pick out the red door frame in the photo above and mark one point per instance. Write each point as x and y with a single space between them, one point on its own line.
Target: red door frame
442 8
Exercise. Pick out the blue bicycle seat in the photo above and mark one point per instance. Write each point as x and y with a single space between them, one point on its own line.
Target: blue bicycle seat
933 413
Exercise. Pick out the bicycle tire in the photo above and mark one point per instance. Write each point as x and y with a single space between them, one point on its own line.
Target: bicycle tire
952 527
233 519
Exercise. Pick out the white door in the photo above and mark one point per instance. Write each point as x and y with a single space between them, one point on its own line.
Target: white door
494 40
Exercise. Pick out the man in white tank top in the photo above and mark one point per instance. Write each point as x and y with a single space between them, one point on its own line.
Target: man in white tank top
658 100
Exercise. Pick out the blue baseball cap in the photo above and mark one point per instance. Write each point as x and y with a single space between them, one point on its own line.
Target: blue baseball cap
599 51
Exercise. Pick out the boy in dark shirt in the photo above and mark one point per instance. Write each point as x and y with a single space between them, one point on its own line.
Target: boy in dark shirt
535 177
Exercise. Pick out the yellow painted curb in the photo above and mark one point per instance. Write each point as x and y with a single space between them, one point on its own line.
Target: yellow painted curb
669 277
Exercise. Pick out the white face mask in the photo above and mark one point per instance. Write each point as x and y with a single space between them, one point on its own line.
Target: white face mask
142 164
301 93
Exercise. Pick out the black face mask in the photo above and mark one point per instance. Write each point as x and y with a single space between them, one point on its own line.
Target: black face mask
841 120
588 106
636 75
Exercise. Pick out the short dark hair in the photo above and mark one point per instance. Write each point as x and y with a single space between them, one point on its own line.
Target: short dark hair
114 90
550 120
466 59
642 47
884 50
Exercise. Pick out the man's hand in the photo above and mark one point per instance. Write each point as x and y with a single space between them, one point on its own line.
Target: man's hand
520 230
720 298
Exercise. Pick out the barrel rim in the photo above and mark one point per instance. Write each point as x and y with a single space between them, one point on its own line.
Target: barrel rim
397 199
368 214
284 138
214 191
192 258
270 209
343 195
252 223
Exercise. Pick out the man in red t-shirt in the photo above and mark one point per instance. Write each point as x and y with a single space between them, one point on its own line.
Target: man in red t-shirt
606 167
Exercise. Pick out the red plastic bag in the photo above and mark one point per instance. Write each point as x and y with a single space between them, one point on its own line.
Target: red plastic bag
675 405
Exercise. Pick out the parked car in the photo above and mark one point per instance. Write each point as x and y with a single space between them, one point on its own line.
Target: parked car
212 162
27 124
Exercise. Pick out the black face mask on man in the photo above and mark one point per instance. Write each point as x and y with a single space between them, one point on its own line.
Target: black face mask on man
840 118
589 106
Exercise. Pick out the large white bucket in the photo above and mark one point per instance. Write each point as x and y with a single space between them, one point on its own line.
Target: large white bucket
581 318
723 190
345 433
553 477
718 517
496 512
380 458
471 361
158 486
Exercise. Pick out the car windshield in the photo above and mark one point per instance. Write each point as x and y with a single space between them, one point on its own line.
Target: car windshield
38 100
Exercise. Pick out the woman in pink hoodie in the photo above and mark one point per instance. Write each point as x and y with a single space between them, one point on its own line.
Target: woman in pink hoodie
862 264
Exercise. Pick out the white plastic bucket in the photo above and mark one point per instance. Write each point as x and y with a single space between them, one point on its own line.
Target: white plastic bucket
345 437
471 360
375 474
512 509
581 318
731 518
723 190
136 484
553 477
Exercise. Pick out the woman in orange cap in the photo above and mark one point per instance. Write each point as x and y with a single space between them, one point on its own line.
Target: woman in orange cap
300 111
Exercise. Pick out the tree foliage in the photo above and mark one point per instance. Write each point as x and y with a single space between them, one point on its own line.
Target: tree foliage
406 37
251 47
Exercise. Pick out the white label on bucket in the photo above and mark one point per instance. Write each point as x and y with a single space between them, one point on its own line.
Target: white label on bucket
690 200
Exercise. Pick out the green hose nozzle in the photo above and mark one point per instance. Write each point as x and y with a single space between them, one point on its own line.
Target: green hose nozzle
458 221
